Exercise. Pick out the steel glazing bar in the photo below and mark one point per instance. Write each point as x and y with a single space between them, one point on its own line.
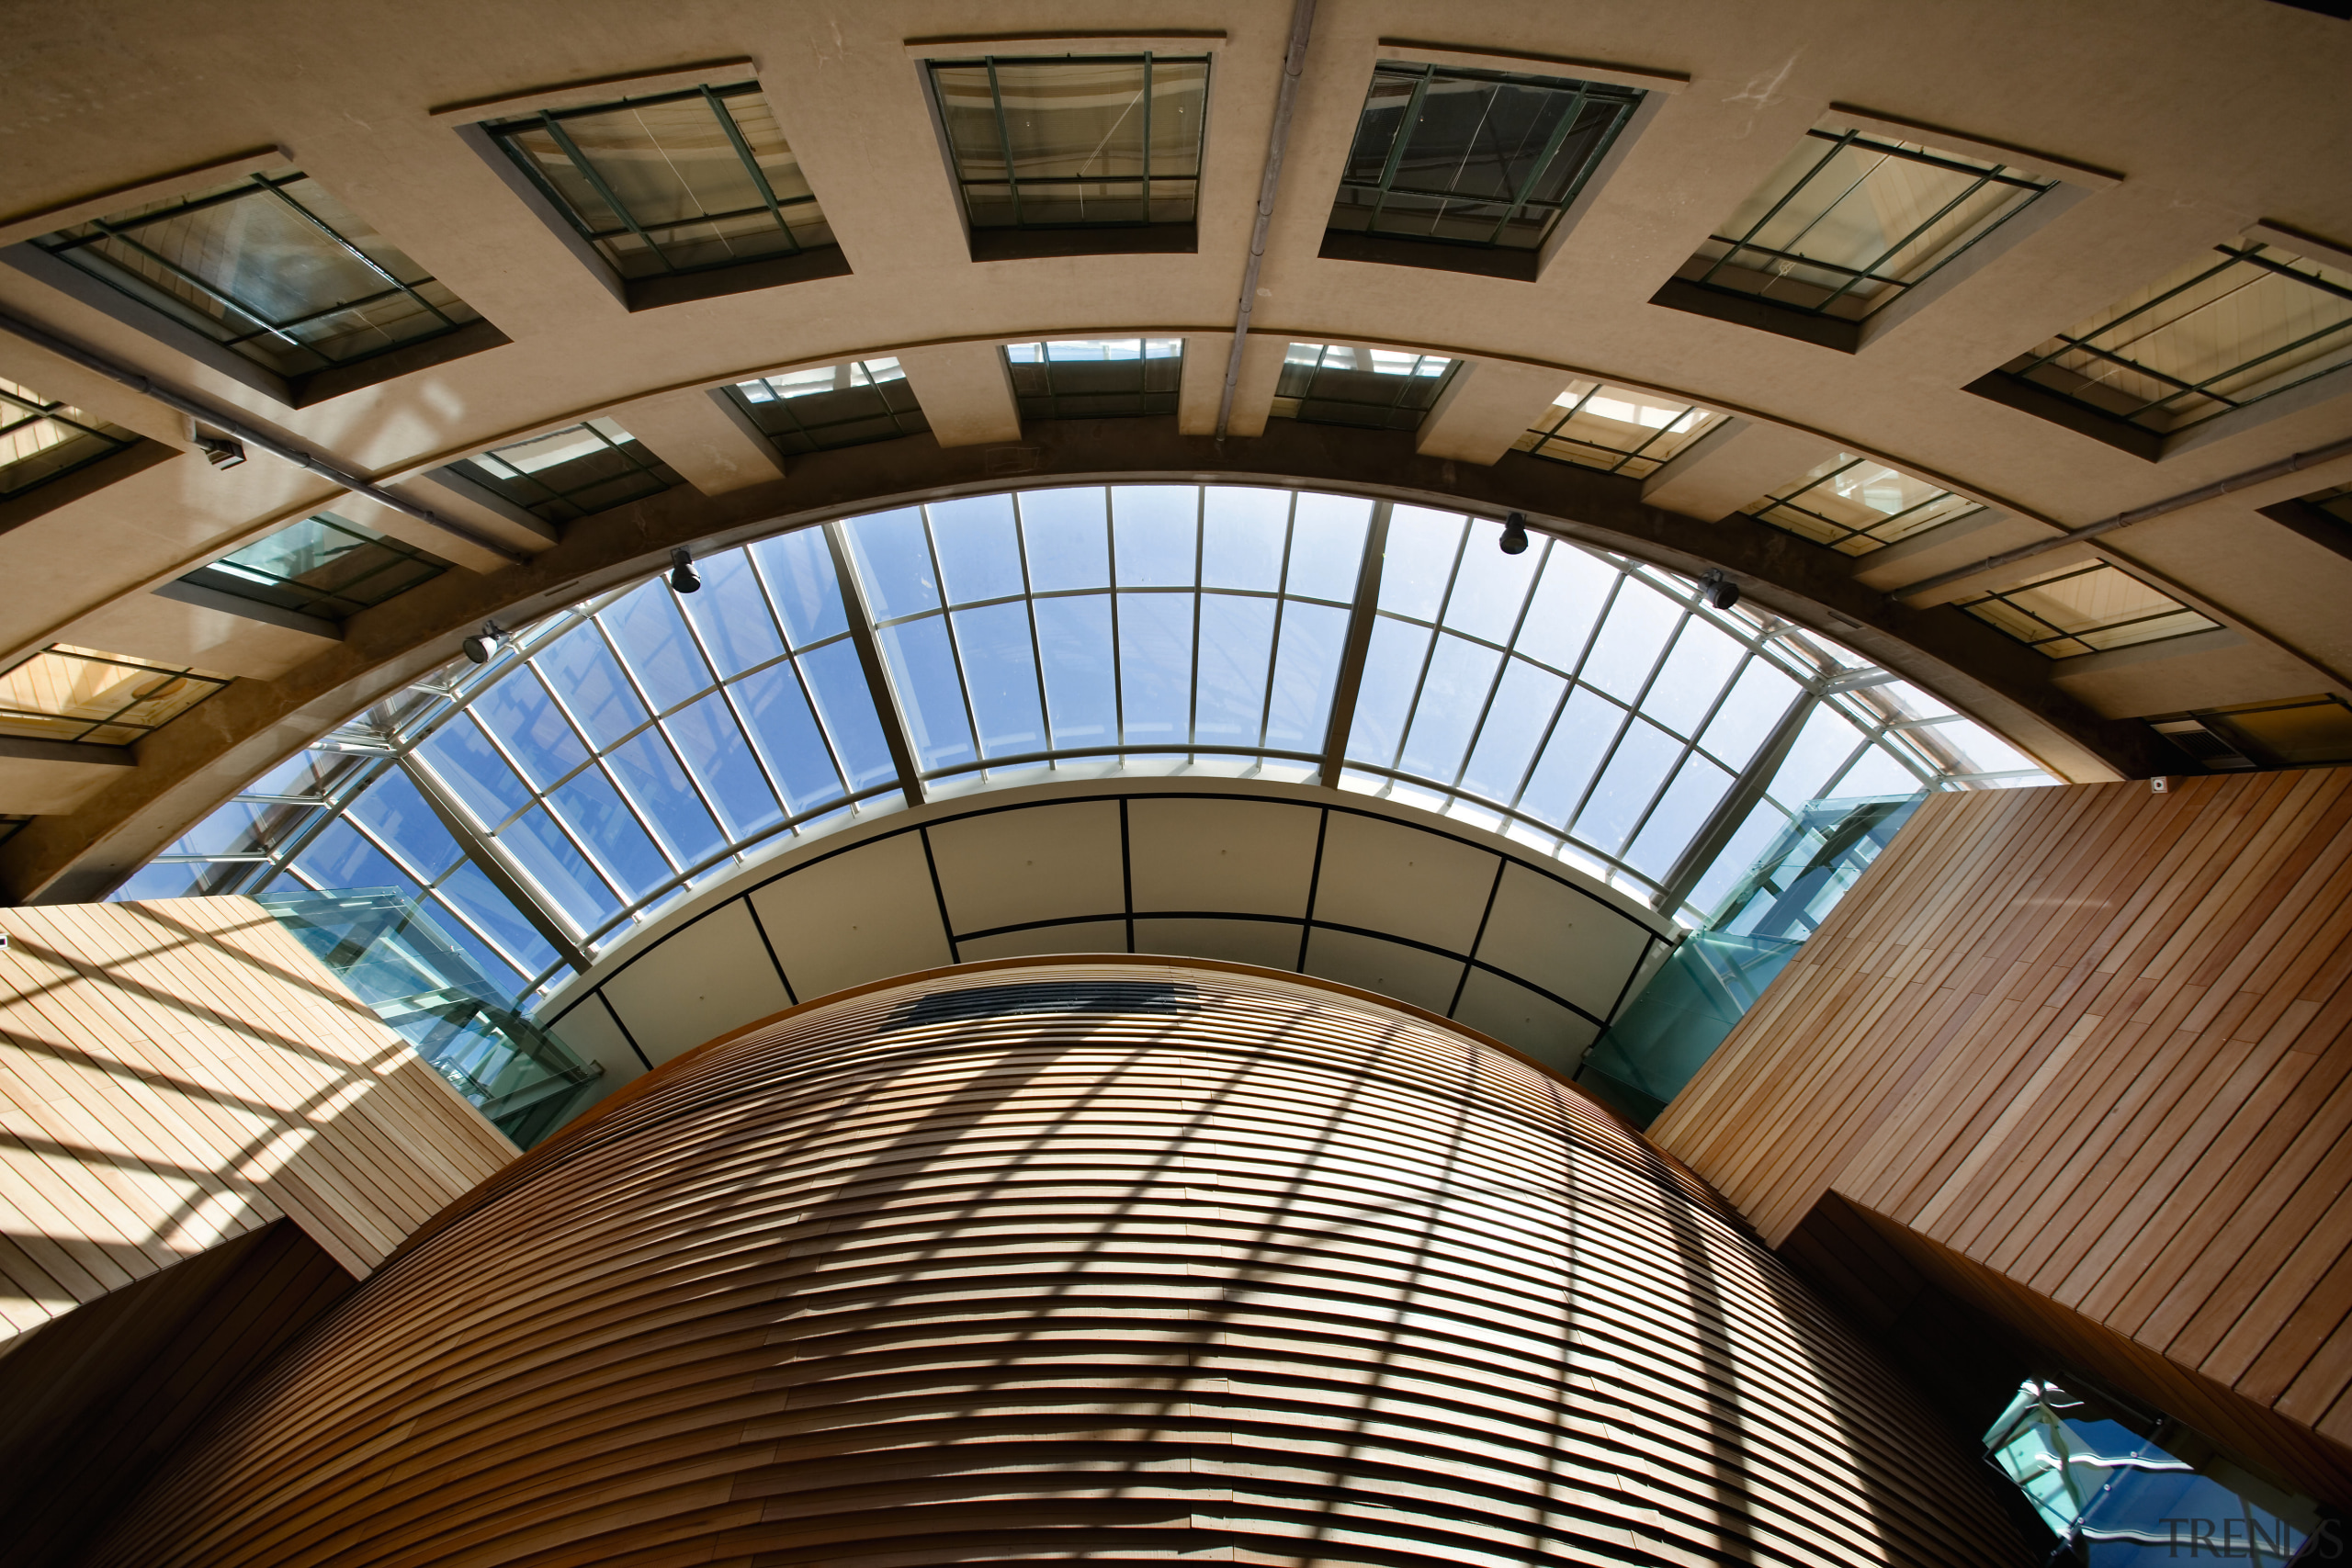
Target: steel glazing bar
887 711
1350 682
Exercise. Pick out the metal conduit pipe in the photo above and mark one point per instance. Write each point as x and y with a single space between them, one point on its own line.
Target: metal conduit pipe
1302 22
2311 459
260 440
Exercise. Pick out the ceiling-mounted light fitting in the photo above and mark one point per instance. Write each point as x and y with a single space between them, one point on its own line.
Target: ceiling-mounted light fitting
1515 534
1720 590
483 643
684 579
220 451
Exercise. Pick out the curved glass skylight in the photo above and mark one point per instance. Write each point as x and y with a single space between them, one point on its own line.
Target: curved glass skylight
613 758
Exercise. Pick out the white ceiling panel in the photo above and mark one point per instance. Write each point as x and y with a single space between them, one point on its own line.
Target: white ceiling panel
1384 876
1082 936
864 915
1266 944
1391 968
1571 946
1252 857
1517 1016
713 977
1043 862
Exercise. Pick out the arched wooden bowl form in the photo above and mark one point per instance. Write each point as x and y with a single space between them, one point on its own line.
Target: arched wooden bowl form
1106 1260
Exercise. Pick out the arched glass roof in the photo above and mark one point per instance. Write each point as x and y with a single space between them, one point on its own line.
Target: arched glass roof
613 758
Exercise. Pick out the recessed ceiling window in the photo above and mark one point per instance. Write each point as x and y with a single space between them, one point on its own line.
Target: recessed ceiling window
41 438
675 183
1075 142
2300 733
2244 321
271 266
2335 502
2084 609
1475 158
571 472
1154 619
1382 388
323 566
829 406
1855 505
1615 429
1095 377
1848 222
106 699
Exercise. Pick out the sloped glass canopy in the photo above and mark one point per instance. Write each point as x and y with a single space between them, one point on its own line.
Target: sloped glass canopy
612 759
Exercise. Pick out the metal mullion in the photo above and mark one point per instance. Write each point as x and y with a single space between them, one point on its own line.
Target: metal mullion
1746 792
1029 607
1282 608
1200 508
887 712
1025 758
1428 655
1518 622
1774 210
955 638
1551 151
362 257
1654 436
1146 217
2199 389
2256 258
1998 172
490 859
1633 714
1004 145
1859 180
1362 614
759 175
193 281
2140 310
588 172
1118 662
1871 271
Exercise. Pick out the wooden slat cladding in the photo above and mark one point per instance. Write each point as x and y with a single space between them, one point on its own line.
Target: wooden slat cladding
1258 1269
2092 1040
177 1073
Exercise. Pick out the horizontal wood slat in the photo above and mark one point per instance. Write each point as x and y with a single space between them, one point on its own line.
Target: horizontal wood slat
179 1073
1276 1272
2092 1041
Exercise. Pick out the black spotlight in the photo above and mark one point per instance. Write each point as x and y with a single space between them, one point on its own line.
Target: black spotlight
483 643
1720 591
682 576
1515 534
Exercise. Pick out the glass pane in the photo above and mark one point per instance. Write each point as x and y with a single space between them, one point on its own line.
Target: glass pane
1754 707
1694 672
731 614
1453 693
653 636
1155 667
1418 561
592 809
978 550
1569 599
1156 530
923 671
579 666
799 574
1327 546
1068 539
845 704
1237 640
1627 785
1631 641
1587 729
1306 672
1242 535
712 743
465 762
1697 788
893 556
1525 699
546 856
396 815
518 711
1075 651
1000 674
1821 750
1490 587
666 799
1392 671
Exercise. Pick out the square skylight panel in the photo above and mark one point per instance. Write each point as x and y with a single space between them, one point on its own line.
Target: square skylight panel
1075 142
1095 377
2083 609
1379 388
2241 322
270 267
43 439
1616 429
829 406
573 472
109 699
323 566
1849 222
680 182
1855 505
1466 157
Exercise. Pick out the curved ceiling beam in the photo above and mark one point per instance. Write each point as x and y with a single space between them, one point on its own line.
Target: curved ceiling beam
191 766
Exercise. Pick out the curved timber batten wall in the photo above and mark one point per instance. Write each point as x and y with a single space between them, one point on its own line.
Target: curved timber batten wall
1086 1260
